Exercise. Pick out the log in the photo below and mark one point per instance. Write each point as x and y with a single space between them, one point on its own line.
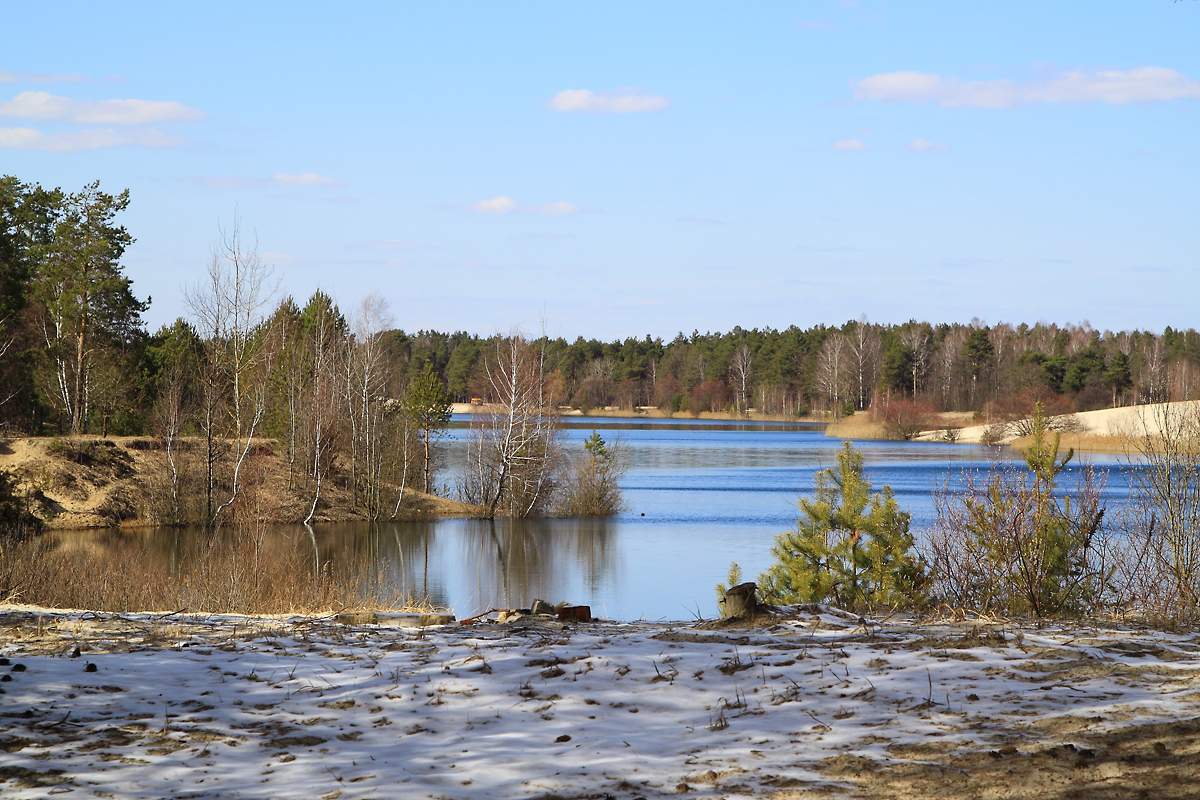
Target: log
740 601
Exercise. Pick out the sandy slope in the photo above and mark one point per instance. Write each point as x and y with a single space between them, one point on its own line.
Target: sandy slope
816 705
114 488
1104 424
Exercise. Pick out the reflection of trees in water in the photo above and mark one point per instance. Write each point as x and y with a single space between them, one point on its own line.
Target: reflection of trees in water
395 557
506 563
516 561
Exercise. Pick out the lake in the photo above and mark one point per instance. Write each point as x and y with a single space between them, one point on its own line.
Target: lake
698 495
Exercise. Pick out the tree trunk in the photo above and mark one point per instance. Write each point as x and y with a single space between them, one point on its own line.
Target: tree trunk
426 443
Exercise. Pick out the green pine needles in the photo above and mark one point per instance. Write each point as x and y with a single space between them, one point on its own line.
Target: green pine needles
850 548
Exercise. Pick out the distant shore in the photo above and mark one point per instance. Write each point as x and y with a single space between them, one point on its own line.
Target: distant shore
1106 430
651 412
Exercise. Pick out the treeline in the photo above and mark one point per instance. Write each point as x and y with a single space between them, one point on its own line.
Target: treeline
75 355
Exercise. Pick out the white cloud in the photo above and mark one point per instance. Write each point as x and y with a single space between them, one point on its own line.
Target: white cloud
84 139
849 144
31 77
924 146
620 102
302 179
46 106
501 204
1114 87
559 208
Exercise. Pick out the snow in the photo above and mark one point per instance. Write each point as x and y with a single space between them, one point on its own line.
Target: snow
229 706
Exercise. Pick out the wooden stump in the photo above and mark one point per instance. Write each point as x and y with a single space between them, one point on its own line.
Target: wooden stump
575 613
740 601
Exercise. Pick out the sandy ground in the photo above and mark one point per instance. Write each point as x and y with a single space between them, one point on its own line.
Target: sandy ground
1102 430
816 705
113 490
649 412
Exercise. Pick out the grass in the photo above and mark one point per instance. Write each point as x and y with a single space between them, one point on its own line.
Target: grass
857 426
240 573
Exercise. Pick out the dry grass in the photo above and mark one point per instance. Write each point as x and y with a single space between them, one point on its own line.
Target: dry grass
857 426
1087 443
233 573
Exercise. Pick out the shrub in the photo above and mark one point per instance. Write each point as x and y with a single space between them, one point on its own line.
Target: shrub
1160 571
591 488
851 547
905 419
1011 545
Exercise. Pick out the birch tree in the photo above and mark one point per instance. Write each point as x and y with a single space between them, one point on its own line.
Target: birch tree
228 313
512 456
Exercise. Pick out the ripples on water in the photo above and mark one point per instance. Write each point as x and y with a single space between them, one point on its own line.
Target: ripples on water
698 495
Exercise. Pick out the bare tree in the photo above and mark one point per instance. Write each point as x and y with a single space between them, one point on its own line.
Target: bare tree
512 456
916 338
740 369
864 351
1163 523
228 310
366 368
831 369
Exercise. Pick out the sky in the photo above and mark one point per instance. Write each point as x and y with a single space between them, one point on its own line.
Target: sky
620 169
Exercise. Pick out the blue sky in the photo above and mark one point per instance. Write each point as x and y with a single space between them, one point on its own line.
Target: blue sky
620 169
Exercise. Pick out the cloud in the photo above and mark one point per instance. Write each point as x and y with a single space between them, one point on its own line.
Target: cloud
620 102
84 139
924 146
560 208
302 179
46 106
32 77
849 144
1113 87
500 204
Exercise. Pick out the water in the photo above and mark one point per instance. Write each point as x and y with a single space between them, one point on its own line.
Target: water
698 495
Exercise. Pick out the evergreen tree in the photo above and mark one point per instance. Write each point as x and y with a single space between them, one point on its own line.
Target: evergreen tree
1118 375
86 301
427 407
851 547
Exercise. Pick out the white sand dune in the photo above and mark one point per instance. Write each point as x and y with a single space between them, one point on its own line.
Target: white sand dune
1104 422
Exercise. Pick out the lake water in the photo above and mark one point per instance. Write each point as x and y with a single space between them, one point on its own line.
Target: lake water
698 495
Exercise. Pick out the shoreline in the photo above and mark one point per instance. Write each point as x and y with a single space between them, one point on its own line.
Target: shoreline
811 702
110 483
646 412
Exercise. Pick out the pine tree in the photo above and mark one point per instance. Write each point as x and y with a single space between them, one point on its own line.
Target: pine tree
851 547
427 406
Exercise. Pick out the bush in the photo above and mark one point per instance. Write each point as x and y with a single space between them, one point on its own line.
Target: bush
591 488
1011 545
905 419
851 547
1159 573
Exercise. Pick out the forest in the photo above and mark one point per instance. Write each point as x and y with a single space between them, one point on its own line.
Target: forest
76 355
